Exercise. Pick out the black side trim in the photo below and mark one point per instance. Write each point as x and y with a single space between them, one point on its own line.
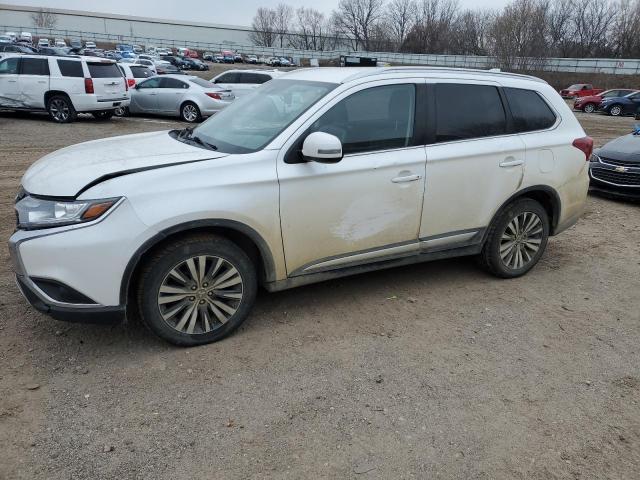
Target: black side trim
265 252
301 280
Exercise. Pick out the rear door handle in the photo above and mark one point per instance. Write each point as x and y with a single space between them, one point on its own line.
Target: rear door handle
511 162
407 178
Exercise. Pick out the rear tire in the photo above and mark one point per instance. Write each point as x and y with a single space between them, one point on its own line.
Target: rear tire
103 115
516 239
197 290
189 112
121 112
61 109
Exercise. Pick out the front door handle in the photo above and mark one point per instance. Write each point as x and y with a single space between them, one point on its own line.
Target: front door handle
407 178
511 162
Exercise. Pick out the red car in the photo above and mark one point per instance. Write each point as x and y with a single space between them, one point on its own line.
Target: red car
580 90
590 103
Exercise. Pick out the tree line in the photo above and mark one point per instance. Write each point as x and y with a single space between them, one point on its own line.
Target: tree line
521 34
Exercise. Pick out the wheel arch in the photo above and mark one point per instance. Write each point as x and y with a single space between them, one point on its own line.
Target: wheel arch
51 93
250 241
545 195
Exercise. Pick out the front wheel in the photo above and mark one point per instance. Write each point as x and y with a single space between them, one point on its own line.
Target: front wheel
589 108
516 239
190 112
121 112
197 290
615 111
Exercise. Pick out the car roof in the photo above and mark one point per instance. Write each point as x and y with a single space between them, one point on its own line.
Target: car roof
352 74
273 71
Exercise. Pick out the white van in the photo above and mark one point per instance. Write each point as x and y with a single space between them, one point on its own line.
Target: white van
62 86
26 37
318 174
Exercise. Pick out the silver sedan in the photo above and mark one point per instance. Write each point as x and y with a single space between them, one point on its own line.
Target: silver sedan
188 97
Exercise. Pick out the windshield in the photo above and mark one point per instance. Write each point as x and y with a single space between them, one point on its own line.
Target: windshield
251 122
577 86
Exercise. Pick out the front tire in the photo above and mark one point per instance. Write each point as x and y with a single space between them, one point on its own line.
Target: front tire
589 108
615 111
516 239
196 290
61 109
189 112
121 112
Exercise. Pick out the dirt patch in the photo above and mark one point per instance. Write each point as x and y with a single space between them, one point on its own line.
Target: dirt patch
429 371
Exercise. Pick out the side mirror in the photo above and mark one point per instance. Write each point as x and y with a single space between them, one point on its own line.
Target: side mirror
322 147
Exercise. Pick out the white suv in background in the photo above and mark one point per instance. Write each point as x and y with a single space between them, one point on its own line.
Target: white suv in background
62 86
318 174
242 82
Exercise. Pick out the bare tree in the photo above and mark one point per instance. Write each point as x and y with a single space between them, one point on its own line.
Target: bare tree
559 17
590 26
469 36
264 27
518 35
401 16
357 19
625 42
433 30
283 15
312 30
44 18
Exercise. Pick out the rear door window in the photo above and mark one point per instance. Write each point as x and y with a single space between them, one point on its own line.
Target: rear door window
34 66
151 83
530 112
104 70
70 68
172 83
465 111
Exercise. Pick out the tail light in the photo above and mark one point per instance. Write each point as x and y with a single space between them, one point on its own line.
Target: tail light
213 95
131 82
585 145
88 85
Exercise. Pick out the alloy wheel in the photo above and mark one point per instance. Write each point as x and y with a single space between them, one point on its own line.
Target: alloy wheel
521 240
615 110
200 294
190 113
589 108
59 110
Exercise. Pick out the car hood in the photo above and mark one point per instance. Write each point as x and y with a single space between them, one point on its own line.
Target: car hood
625 148
590 98
71 170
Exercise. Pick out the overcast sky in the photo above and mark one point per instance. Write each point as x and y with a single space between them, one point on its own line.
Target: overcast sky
234 12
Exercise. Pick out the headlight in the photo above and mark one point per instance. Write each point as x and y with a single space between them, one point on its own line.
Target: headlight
594 158
35 212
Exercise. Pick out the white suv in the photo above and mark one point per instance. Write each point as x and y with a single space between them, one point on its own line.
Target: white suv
318 174
243 82
62 86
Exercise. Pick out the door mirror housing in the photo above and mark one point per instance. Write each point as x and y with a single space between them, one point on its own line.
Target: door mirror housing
322 147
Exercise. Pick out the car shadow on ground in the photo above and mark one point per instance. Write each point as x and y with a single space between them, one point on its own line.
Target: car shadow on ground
375 286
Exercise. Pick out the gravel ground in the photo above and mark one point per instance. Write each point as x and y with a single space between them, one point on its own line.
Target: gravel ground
430 371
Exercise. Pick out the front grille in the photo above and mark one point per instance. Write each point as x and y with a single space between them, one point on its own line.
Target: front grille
622 163
616 178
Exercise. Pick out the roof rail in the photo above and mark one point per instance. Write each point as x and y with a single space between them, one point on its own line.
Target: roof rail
425 69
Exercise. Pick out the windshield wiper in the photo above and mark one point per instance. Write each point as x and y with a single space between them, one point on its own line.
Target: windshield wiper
187 135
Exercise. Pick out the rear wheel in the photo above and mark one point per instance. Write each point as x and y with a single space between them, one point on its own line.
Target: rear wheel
197 290
121 112
516 239
190 112
589 108
61 109
103 115
615 111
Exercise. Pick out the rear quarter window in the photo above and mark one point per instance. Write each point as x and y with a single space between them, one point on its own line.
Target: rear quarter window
530 112
104 70
70 68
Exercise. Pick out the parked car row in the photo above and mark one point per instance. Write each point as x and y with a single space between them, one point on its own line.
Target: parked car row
615 102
